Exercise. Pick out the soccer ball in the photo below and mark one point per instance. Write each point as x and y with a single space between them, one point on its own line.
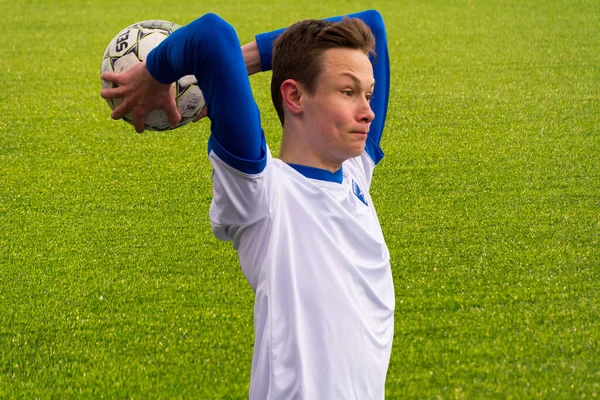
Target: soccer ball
132 46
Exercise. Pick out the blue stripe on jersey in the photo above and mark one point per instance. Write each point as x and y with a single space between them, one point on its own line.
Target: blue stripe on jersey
318 173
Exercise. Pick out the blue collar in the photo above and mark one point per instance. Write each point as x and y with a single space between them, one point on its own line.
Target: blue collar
318 173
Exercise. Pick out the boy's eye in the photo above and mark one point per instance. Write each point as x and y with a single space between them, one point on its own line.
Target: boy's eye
347 92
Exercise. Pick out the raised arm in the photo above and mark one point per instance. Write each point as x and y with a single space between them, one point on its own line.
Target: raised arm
252 57
209 48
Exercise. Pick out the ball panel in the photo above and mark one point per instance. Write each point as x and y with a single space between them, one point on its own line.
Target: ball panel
184 83
190 103
122 64
156 25
148 42
123 42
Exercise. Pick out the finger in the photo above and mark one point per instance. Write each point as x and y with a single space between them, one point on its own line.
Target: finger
111 77
139 122
173 114
174 118
120 110
112 93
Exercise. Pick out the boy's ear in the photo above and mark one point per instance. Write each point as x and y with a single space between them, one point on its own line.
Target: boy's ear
292 94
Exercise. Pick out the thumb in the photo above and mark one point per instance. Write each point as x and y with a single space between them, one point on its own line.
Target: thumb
173 114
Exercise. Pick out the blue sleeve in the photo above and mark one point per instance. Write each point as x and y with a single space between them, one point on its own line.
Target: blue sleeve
381 72
209 49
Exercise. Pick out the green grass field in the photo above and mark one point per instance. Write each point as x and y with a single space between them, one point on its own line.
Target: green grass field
112 285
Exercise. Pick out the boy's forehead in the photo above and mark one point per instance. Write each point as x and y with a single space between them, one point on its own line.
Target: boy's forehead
349 63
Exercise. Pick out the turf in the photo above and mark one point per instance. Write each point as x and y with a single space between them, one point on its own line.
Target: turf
112 285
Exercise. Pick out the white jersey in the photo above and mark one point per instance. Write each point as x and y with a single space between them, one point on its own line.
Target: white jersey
314 254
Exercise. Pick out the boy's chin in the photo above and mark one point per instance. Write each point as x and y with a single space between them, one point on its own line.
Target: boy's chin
356 151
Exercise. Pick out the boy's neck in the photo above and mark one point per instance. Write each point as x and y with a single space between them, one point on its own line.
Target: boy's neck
295 151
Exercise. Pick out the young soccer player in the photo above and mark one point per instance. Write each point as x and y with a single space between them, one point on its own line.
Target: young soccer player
304 225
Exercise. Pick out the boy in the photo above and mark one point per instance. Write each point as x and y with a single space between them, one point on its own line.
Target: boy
304 226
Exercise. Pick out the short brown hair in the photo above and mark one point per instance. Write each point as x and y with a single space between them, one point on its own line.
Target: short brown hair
297 51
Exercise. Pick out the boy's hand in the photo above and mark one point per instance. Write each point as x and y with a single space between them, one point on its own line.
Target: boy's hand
141 94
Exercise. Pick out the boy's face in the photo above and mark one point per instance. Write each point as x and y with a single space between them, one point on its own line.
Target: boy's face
338 114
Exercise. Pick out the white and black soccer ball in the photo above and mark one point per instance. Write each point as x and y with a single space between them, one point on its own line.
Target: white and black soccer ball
131 46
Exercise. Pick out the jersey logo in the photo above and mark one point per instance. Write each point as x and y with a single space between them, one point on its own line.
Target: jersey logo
358 193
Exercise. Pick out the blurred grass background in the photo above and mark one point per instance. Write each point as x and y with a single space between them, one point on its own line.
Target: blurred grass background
112 285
